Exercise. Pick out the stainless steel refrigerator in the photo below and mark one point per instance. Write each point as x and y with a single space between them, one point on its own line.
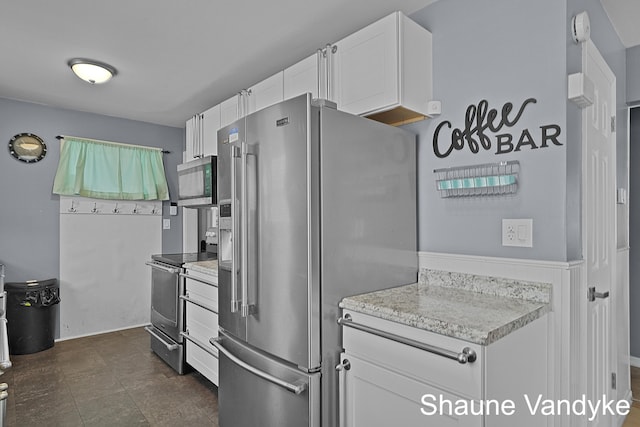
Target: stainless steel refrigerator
315 204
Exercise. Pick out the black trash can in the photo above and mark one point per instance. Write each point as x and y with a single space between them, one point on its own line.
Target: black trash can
31 315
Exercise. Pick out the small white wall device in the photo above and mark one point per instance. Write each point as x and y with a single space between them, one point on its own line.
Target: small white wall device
581 27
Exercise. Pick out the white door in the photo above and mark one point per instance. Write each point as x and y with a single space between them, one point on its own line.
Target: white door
598 222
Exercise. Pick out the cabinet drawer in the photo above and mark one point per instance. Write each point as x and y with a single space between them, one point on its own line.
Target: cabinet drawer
201 324
202 361
443 373
202 293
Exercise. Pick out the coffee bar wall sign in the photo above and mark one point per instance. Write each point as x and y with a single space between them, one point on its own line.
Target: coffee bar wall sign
496 130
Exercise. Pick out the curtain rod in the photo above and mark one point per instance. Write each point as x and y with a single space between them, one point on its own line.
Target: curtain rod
113 143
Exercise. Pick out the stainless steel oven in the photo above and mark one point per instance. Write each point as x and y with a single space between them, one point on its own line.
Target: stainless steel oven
167 318
167 309
166 288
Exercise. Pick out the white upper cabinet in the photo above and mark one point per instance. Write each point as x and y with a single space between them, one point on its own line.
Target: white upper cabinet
189 140
302 77
265 93
201 134
384 71
229 110
194 138
210 125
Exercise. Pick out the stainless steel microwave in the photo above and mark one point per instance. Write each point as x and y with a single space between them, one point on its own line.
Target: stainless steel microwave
197 182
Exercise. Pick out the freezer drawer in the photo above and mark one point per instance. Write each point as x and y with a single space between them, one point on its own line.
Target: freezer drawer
256 390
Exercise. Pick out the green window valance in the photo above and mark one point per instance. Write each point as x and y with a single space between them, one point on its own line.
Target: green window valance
106 170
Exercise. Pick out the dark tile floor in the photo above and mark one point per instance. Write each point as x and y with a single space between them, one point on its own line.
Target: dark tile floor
105 380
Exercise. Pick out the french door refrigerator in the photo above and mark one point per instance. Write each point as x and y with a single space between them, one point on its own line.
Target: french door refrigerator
315 204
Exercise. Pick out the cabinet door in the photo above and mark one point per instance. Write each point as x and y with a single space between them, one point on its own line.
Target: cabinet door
371 395
268 92
189 140
366 68
229 111
210 124
302 78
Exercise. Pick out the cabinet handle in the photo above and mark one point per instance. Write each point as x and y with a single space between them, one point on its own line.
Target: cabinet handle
198 279
320 79
186 298
467 355
342 369
198 343
592 294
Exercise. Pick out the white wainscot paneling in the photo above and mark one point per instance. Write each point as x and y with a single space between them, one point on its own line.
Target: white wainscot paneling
104 282
565 358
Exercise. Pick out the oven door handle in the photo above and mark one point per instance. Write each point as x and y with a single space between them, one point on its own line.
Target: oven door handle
163 268
169 347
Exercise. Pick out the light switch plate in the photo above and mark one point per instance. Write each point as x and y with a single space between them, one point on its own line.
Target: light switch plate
166 224
517 232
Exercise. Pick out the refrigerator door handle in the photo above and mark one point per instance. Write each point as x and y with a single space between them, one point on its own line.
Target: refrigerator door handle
296 388
234 234
245 308
244 225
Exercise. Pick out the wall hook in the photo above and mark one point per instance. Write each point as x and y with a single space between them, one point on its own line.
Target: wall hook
116 210
72 208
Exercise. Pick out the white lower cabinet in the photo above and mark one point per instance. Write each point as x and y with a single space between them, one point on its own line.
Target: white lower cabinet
385 382
201 323
377 396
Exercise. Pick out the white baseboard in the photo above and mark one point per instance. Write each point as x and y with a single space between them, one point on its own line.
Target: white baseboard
621 418
101 332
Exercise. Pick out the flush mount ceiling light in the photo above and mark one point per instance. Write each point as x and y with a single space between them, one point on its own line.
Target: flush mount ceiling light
94 72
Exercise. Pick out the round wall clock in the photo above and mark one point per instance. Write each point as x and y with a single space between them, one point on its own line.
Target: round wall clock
27 147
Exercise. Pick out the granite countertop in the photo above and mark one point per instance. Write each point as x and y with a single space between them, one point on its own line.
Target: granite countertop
206 267
478 309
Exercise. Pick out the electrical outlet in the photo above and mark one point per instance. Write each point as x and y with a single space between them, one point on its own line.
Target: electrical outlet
517 232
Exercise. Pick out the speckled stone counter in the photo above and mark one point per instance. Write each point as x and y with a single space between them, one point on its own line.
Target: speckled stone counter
477 309
205 267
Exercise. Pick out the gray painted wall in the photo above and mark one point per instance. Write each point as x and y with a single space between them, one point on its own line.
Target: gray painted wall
29 212
501 51
508 51
633 75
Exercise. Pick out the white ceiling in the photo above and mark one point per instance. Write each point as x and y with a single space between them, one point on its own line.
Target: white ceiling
625 16
175 59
